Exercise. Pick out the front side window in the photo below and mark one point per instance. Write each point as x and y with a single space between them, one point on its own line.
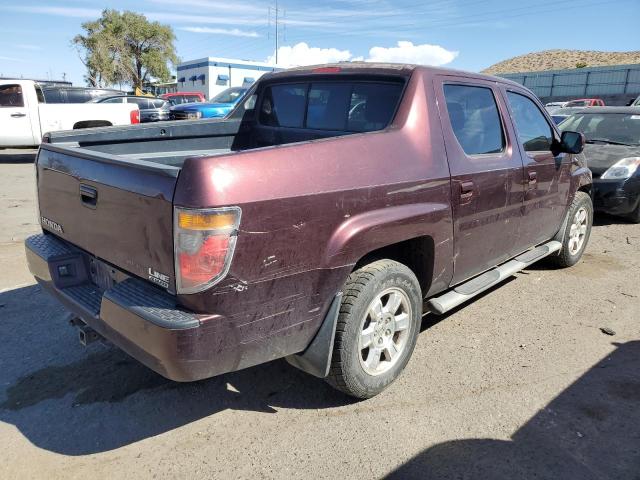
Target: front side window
475 119
11 96
534 131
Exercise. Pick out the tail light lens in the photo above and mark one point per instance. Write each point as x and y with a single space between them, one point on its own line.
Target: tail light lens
134 116
204 243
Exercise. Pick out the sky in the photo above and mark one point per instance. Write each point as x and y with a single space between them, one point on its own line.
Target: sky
35 35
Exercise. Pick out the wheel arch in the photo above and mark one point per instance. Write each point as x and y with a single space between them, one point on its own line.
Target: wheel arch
416 235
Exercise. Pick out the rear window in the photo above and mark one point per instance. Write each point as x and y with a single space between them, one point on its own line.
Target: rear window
335 106
474 118
11 96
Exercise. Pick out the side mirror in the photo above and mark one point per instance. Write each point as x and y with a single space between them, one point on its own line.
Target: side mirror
571 142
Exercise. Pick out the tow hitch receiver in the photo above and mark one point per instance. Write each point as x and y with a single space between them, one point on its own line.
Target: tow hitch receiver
86 334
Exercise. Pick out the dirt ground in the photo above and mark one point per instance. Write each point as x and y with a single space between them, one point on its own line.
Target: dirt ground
521 383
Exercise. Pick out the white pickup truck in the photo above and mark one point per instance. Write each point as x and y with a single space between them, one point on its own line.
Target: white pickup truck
24 117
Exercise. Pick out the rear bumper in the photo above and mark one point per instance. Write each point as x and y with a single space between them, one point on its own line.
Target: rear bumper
142 320
616 197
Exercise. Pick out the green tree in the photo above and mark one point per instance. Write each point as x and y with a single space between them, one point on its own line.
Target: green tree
581 65
126 47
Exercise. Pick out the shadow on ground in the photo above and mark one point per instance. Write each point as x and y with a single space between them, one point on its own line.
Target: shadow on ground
77 401
17 156
590 431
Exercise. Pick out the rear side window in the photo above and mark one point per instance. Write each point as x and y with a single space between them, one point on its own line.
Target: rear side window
336 106
53 95
534 131
143 103
474 119
78 96
11 96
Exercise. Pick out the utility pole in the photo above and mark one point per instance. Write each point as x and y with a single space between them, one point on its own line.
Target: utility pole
277 14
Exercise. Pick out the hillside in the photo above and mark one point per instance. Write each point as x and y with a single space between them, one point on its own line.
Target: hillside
561 59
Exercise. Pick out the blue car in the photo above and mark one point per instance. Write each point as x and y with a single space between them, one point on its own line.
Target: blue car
218 107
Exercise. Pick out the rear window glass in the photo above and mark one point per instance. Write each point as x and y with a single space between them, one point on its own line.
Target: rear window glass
284 105
337 106
11 96
474 118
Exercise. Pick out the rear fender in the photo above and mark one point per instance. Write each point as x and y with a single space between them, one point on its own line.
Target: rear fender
369 231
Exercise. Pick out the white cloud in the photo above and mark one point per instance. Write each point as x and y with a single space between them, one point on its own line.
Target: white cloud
233 32
71 12
11 59
407 52
303 54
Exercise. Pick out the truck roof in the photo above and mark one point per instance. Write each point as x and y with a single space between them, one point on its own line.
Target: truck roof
381 69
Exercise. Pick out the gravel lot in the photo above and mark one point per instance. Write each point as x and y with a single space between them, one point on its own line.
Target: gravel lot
521 383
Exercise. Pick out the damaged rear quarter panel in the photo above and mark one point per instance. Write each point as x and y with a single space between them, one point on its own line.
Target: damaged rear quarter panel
310 211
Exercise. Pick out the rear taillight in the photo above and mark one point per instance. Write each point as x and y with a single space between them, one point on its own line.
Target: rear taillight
204 243
134 115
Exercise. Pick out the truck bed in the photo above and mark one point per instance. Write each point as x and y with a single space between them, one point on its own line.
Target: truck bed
170 143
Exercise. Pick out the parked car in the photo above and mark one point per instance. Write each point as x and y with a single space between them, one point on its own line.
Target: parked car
198 251
151 109
562 114
219 106
178 98
55 94
24 118
585 102
613 154
551 107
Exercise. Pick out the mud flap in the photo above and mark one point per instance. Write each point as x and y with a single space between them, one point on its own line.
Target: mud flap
316 358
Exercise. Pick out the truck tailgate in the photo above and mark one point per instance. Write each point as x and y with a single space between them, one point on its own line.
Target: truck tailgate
120 211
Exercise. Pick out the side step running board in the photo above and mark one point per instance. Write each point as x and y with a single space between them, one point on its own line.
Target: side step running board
479 284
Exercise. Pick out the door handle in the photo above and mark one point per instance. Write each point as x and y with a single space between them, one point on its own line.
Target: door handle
533 178
18 115
88 196
466 190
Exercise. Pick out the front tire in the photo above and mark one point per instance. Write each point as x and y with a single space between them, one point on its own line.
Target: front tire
577 231
634 216
377 328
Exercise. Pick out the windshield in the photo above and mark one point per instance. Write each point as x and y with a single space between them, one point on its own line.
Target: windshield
230 95
578 103
621 128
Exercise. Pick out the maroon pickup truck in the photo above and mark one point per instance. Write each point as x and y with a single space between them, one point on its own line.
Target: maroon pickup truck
318 222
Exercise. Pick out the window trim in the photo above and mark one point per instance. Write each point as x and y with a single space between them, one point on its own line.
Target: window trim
552 125
505 138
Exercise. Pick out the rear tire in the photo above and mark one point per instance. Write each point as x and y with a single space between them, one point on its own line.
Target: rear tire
377 328
576 232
